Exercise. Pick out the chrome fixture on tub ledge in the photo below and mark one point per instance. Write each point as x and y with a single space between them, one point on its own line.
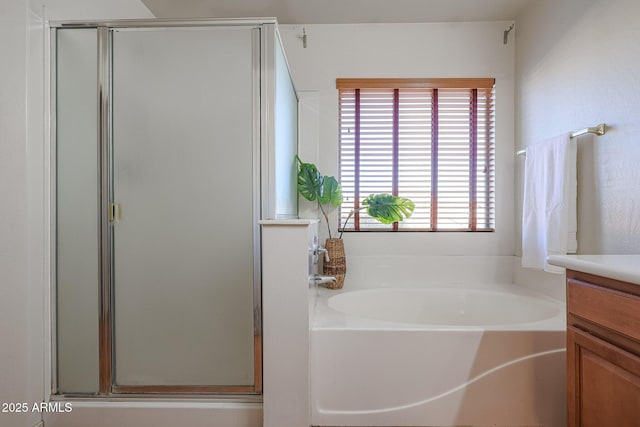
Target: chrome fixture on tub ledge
321 279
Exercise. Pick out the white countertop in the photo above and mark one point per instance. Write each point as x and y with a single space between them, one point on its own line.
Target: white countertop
619 267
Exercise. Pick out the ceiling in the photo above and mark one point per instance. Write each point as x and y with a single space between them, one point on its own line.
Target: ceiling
342 11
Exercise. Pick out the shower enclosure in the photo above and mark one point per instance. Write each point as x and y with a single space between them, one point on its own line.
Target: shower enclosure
170 140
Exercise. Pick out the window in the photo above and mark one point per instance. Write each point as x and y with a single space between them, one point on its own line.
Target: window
430 140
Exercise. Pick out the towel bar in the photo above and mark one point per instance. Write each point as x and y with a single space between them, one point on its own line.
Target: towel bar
601 129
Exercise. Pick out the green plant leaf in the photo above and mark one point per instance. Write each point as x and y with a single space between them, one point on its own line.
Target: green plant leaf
387 208
309 180
331 192
313 186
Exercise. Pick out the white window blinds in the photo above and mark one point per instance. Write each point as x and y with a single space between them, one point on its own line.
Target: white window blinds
430 140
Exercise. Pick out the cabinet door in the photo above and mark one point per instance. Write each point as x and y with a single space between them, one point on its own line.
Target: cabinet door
603 383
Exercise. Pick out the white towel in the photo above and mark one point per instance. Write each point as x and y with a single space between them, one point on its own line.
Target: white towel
549 223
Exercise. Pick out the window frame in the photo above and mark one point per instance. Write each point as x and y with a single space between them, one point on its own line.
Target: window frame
486 86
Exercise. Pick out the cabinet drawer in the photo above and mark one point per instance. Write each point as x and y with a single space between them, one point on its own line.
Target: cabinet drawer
610 308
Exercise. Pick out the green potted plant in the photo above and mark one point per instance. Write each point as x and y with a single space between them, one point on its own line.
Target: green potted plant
327 193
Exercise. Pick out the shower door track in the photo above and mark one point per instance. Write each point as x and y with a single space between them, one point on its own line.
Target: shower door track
107 384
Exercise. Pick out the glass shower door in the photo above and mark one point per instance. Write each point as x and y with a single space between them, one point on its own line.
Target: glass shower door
184 195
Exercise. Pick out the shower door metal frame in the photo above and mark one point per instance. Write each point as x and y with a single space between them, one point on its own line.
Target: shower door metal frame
105 333
262 69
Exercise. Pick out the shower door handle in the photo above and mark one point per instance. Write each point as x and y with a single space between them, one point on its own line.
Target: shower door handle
115 214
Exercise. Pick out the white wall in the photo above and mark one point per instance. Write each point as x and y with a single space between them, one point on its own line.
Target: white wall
406 50
91 9
13 210
577 65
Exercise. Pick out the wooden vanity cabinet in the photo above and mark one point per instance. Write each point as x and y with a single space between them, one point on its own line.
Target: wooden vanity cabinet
603 352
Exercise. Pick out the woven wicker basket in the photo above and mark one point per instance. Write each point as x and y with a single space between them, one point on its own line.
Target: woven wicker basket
337 265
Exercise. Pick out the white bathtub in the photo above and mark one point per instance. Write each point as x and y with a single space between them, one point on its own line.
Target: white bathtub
437 357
